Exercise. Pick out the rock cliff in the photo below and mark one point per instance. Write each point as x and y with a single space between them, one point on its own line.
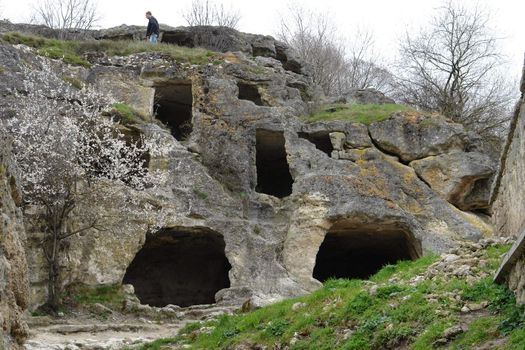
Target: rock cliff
14 286
508 194
509 203
259 205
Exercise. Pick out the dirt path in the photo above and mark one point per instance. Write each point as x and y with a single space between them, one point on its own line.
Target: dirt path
91 336
87 331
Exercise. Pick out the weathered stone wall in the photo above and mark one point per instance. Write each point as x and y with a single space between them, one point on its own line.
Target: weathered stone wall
517 280
512 269
14 286
509 203
508 206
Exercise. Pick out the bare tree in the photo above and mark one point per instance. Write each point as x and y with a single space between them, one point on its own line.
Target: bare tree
452 67
66 14
208 13
313 37
338 65
363 66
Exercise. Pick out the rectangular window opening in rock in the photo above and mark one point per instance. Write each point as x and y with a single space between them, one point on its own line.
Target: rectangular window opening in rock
273 172
173 107
321 140
250 92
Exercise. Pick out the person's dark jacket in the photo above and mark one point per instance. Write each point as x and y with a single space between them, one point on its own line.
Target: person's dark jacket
153 26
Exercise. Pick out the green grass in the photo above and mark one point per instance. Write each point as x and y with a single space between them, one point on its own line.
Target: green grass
154 345
73 52
356 113
480 331
110 296
397 313
125 114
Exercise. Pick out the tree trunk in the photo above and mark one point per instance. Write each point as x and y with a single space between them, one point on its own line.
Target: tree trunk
53 287
53 297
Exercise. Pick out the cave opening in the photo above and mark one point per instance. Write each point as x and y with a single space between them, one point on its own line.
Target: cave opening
179 266
321 140
273 172
173 106
360 250
249 92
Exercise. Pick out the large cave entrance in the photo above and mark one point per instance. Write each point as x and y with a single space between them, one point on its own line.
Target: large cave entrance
182 267
360 250
273 173
173 104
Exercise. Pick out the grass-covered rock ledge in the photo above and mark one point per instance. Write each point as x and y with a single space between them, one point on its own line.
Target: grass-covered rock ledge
356 113
447 302
74 51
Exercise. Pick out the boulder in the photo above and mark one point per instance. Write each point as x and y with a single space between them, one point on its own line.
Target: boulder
414 136
338 140
453 176
367 96
356 133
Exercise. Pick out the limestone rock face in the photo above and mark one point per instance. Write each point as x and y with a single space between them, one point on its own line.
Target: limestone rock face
509 203
508 195
222 39
516 281
367 96
250 181
454 175
414 137
14 285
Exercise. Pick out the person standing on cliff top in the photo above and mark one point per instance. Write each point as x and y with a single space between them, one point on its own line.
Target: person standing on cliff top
152 33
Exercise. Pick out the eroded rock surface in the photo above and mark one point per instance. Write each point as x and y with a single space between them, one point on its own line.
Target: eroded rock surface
14 285
367 96
416 136
509 203
242 164
454 176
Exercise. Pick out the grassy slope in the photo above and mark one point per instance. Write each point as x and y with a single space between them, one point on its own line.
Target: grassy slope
357 113
72 52
344 315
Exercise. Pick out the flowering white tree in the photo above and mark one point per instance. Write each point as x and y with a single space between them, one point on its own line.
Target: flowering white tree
73 162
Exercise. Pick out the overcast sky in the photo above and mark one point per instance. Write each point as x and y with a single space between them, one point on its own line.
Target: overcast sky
387 19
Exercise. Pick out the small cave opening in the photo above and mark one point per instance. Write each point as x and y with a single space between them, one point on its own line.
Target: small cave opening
178 38
360 250
273 172
173 106
321 140
179 266
249 92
